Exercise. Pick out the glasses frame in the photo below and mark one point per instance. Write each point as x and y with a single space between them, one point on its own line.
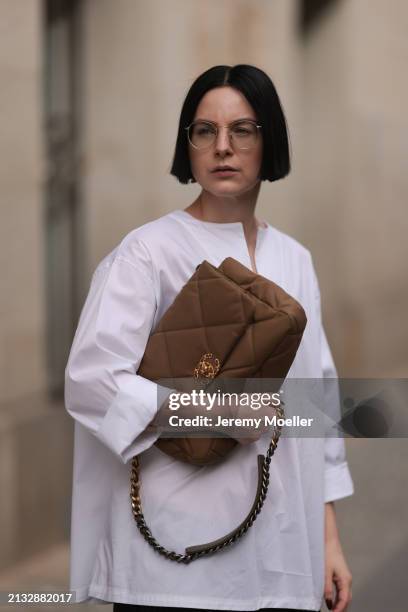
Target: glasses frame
217 130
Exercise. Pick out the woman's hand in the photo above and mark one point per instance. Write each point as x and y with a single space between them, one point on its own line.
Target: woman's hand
248 435
337 572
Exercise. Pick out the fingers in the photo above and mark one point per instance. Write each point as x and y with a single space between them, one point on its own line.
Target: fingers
251 435
244 441
328 590
249 439
344 596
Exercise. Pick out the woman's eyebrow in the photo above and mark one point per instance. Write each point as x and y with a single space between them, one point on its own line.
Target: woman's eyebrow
233 121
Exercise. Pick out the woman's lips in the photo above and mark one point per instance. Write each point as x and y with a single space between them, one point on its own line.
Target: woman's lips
224 172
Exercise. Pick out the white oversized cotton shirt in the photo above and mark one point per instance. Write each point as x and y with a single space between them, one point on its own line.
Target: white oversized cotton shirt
280 560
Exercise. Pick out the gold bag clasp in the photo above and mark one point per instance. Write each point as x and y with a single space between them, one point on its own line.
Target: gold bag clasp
207 367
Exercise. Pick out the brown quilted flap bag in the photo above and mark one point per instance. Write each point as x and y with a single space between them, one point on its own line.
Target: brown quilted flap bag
249 325
225 322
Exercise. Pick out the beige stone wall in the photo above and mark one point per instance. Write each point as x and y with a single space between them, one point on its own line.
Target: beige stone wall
354 159
35 435
22 303
377 246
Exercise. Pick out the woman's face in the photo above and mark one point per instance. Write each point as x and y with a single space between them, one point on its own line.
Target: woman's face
223 106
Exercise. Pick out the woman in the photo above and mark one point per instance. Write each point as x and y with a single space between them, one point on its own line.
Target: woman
232 136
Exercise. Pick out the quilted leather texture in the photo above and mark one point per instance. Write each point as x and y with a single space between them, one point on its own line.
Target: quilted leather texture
246 321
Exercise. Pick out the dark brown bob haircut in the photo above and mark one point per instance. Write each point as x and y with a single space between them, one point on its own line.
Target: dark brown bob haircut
261 94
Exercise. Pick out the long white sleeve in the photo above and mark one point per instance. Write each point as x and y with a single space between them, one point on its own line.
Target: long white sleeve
102 390
338 481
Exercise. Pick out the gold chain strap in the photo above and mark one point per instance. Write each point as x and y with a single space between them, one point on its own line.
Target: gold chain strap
197 552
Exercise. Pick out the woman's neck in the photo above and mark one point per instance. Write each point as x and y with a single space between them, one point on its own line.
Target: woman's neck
208 207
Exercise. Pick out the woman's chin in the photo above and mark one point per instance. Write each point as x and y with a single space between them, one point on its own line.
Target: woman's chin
225 189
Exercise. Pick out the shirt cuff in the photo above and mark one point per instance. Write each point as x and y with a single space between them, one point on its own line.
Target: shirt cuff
123 426
337 482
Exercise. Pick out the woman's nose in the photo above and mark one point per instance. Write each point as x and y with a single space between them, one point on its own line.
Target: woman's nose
223 141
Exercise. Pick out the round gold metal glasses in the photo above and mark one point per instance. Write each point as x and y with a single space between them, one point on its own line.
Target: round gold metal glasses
243 134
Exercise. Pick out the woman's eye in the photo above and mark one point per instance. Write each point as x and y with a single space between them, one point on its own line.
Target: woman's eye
243 129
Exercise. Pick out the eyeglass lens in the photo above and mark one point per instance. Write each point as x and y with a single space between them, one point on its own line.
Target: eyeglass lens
243 134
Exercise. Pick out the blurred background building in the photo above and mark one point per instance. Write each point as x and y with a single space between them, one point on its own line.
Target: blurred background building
91 92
